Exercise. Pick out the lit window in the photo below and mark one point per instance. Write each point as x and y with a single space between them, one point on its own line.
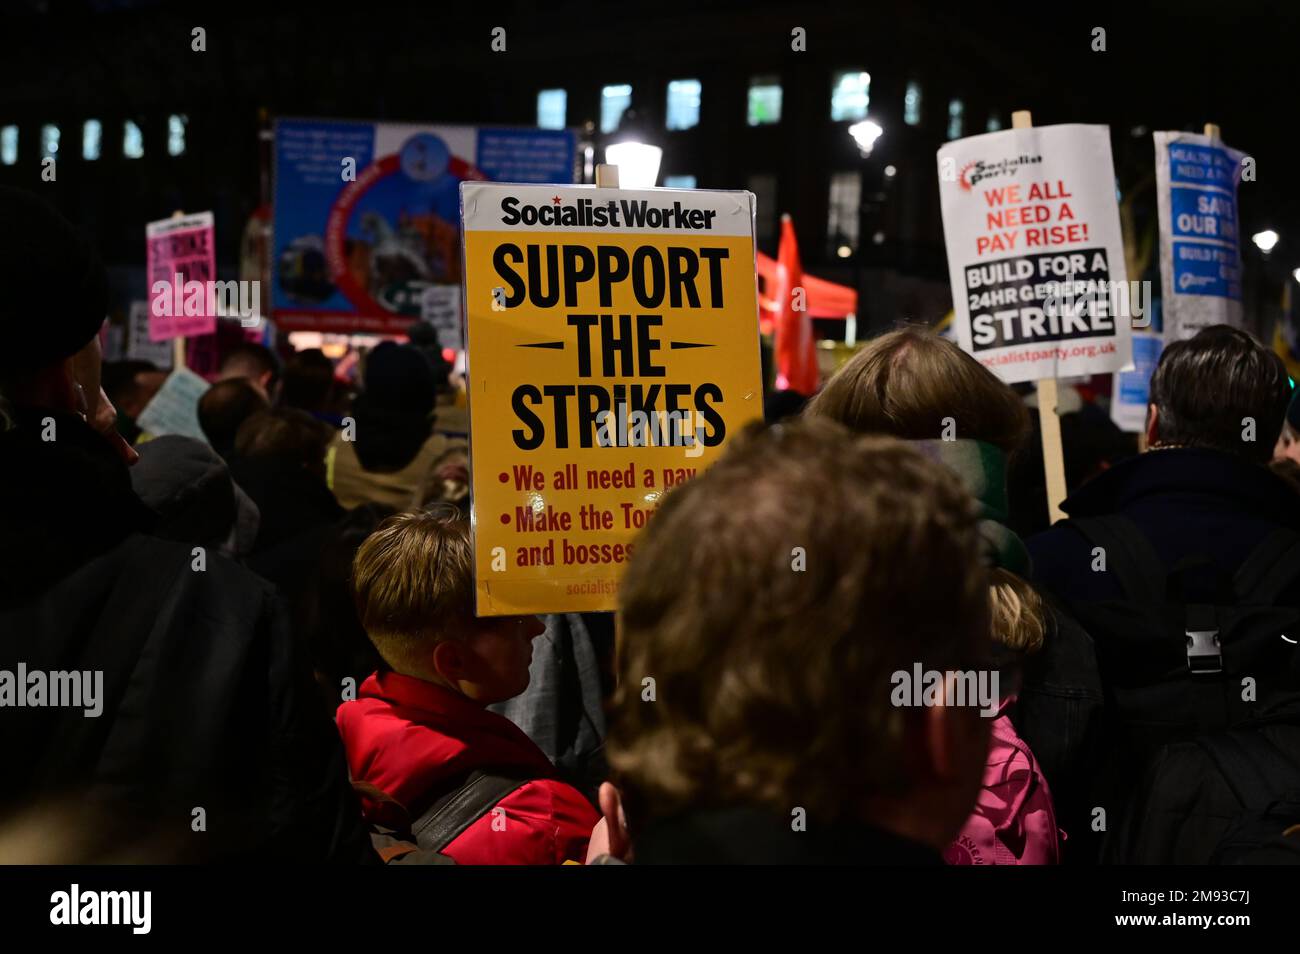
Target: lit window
49 141
955 110
614 101
92 132
683 110
994 124
679 182
9 145
849 95
764 100
552 108
176 135
132 140
843 214
764 189
912 104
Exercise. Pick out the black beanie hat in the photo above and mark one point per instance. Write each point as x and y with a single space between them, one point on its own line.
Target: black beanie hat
53 287
400 378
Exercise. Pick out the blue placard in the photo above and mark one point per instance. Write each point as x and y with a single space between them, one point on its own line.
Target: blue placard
1201 269
1133 388
1203 213
1135 385
1202 166
526 155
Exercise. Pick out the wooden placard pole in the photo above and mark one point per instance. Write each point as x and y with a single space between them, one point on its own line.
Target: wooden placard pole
606 176
178 344
1212 130
1049 420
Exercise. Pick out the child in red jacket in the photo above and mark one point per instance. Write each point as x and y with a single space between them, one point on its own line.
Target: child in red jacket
417 731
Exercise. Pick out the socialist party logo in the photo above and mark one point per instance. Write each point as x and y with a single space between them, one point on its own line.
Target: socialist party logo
977 171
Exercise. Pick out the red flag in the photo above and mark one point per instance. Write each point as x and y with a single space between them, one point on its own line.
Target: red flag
796 352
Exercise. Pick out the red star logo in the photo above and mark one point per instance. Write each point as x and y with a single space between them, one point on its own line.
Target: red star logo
963 177
556 200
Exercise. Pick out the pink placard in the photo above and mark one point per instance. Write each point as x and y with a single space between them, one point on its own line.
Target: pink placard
180 262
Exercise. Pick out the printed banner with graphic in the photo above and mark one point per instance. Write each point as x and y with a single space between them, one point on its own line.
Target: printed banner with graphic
613 348
181 262
1035 253
1200 240
367 215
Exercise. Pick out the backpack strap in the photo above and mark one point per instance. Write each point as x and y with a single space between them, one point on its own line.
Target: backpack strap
1144 579
390 853
1204 647
1270 568
1129 556
445 820
395 850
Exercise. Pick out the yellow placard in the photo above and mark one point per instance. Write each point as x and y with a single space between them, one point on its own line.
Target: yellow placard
612 343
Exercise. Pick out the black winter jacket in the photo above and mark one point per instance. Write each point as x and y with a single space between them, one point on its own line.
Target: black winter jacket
205 704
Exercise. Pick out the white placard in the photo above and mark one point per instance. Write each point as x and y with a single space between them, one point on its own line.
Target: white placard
1035 253
175 408
139 346
440 307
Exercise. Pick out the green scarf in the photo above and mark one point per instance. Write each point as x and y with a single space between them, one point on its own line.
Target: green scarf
983 470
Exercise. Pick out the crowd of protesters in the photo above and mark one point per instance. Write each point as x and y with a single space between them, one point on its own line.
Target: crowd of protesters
283 616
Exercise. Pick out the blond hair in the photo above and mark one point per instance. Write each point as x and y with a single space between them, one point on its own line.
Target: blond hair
1019 621
906 383
413 581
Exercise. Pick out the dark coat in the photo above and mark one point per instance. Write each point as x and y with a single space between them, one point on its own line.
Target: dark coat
1203 512
205 704
561 710
747 836
1188 502
1058 714
296 506
189 487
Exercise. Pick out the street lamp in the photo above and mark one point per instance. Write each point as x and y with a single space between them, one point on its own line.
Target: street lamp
865 134
1265 240
637 160
638 163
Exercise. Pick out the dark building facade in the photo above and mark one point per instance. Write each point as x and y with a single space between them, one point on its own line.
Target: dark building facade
871 221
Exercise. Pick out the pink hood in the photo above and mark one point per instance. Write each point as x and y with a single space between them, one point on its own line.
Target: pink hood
1013 822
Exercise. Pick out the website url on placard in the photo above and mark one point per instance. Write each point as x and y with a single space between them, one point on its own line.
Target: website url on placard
1058 353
